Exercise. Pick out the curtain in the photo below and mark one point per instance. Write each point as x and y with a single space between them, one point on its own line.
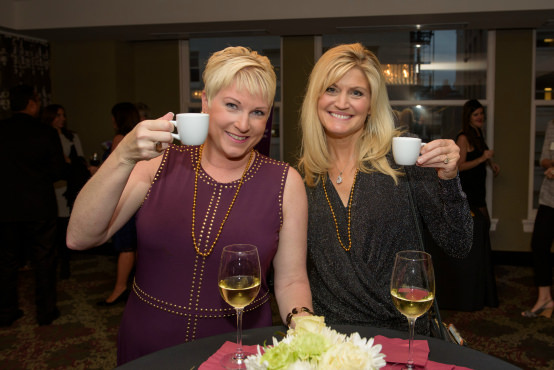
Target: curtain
23 61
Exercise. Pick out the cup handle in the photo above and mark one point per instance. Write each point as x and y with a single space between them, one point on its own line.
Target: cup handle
175 136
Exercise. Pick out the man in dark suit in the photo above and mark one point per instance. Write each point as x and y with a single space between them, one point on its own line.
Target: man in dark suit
31 159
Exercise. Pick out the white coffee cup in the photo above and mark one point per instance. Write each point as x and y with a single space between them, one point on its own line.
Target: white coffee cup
192 128
405 150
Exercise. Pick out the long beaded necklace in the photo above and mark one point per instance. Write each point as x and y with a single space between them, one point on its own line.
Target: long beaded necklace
197 170
349 212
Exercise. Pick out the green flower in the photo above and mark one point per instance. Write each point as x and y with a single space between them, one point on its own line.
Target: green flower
279 357
305 347
312 345
309 346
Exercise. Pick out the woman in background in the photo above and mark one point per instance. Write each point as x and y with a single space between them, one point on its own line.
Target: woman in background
475 156
76 176
125 117
543 231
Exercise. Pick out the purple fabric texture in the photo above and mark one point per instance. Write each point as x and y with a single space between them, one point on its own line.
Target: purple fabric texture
175 296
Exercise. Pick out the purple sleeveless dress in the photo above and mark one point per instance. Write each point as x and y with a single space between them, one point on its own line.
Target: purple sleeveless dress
175 296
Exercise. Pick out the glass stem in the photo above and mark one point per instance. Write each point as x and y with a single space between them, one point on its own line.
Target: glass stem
411 324
238 354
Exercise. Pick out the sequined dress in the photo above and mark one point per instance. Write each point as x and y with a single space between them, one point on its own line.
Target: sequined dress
354 287
175 296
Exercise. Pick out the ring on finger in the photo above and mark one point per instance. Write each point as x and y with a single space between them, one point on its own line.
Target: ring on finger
446 160
158 146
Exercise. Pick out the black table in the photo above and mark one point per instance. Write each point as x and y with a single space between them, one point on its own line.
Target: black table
192 354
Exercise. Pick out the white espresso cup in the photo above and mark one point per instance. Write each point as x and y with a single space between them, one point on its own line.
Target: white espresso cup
192 128
405 150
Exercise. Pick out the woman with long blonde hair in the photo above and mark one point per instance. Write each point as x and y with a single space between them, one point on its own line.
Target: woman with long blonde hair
358 197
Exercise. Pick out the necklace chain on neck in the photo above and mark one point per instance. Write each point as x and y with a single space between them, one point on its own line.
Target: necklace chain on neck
339 177
196 172
349 212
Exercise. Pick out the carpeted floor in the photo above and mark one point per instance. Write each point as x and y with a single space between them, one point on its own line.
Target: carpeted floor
84 337
503 332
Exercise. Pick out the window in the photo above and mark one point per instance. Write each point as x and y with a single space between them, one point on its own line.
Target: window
430 74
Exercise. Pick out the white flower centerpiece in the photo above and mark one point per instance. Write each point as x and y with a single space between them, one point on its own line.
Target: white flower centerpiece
313 345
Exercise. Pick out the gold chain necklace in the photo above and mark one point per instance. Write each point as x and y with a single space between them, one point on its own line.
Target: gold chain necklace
197 170
349 212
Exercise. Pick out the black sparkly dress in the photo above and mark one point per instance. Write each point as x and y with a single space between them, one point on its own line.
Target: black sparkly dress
354 287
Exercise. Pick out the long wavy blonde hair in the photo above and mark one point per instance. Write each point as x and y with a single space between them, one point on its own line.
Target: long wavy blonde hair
375 141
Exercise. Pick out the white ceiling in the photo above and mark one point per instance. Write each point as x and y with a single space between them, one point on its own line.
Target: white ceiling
182 19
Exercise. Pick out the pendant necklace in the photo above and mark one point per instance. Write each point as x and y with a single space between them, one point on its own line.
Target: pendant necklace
339 177
197 170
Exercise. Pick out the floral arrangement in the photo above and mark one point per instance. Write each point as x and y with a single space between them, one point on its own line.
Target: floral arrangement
313 345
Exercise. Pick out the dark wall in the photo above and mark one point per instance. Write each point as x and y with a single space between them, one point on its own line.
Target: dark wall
297 61
88 78
512 130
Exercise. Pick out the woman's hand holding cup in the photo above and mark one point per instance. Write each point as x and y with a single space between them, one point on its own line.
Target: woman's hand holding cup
443 155
151 137
147 140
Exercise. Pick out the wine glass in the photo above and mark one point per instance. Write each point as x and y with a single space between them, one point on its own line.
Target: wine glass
412 289
239 283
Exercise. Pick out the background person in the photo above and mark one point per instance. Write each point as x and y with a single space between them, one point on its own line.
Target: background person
190 202
76 175
144 110
32 160
475 156
358 204
543 232
125 117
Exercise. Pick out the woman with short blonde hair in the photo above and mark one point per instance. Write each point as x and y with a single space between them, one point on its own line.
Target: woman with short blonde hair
193 200
248 69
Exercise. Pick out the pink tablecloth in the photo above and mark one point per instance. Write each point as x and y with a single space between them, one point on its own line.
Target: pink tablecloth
395 349
212 363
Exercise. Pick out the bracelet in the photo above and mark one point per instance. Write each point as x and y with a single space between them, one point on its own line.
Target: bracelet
296 311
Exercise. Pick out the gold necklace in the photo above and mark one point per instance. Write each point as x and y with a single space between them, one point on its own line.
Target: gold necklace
349 212
197 170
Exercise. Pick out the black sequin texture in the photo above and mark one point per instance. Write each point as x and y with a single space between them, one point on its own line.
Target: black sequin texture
353 287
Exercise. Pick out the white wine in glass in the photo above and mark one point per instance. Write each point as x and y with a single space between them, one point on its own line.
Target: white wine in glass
412 289
239 283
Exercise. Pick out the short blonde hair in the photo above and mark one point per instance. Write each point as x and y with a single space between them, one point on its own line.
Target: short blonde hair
375 141
250 70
